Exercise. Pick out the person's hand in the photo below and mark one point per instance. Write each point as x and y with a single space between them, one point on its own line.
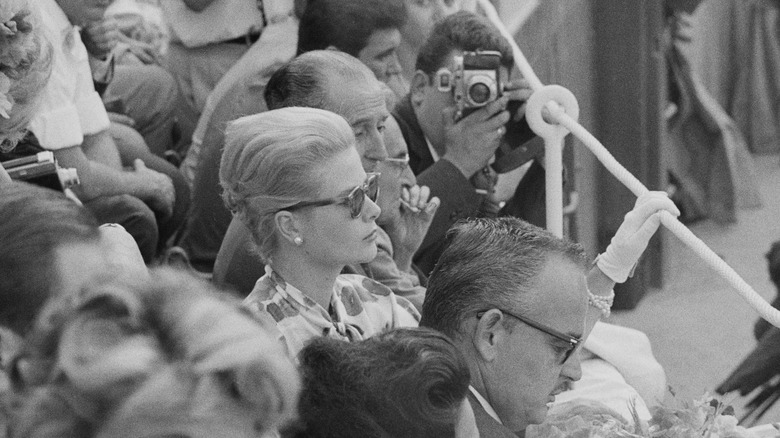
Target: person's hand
473 140
408 230
518 90
101 37
160 193
121 119
417 212
130 51
634 233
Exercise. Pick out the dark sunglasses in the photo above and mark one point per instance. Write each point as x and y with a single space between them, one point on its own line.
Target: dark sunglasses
571 340
354 200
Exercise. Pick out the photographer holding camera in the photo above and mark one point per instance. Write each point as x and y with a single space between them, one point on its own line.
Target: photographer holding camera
455 121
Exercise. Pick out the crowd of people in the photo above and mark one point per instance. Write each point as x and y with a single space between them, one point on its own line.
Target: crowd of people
287 224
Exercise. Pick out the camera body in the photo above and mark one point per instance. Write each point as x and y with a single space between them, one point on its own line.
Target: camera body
41 169
475 82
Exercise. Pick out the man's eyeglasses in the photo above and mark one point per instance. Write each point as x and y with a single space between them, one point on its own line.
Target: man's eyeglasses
571 340
402 161
354 200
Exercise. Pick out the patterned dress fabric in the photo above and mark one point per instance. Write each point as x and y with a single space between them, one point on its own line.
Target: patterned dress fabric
359 308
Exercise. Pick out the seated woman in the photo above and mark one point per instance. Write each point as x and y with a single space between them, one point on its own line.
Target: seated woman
295 179
24 70
405 383
168 358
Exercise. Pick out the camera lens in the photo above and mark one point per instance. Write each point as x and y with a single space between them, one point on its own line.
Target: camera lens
479 93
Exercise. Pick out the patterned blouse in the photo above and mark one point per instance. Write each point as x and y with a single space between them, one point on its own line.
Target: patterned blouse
359 308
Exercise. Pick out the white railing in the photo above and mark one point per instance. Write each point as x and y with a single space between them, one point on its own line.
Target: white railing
564 111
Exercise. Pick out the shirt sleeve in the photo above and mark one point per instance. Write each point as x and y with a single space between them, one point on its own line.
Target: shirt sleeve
70 107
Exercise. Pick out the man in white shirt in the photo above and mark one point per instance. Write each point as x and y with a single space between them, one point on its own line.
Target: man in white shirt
72 122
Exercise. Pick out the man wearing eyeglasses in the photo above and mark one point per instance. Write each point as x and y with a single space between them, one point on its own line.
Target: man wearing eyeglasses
519 302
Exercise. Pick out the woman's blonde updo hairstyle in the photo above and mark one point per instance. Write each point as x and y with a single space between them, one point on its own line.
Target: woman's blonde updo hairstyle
25 65
273 160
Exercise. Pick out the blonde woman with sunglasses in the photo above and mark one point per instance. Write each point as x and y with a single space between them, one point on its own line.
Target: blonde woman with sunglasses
295 179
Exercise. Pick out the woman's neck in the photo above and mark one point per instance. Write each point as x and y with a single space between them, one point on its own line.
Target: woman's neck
314 280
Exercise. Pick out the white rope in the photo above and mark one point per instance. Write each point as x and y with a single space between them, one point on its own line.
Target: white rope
764 309
755 300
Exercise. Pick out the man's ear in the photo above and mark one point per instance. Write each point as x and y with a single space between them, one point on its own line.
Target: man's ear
287 225
489 334
420 81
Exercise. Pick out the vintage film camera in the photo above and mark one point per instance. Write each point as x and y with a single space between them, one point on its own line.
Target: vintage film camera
41 169
477 81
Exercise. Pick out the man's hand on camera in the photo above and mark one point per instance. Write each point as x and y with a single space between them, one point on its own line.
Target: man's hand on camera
471 141
101 37
518 90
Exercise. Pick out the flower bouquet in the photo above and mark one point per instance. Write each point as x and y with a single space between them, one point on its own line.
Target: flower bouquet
707 417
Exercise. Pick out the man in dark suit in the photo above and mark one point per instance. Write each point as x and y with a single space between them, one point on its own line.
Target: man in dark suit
450 152
513 298
519 301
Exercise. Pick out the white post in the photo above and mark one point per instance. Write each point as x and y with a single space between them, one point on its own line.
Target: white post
553 136
553 168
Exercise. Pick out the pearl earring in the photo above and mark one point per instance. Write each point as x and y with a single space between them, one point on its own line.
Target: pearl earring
298 241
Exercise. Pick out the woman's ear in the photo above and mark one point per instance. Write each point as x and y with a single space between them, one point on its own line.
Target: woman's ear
287 225
420 83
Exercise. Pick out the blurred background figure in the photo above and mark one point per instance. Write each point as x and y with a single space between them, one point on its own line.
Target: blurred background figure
711 171
42 257
421 16
206 38
25 65
405 383
169 358
73 124
759 370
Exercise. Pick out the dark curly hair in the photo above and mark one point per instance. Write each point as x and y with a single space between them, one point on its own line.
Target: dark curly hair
464 31
346 24
404 383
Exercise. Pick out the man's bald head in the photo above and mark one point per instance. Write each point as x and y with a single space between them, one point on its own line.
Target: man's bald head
303 81
337 82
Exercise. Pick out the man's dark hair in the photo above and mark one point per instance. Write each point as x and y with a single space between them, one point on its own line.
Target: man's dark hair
407 382
464 31
346 24
303 81
34 223
486 264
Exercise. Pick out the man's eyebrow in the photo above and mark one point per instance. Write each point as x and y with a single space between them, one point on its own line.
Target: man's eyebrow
386 53
370 119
